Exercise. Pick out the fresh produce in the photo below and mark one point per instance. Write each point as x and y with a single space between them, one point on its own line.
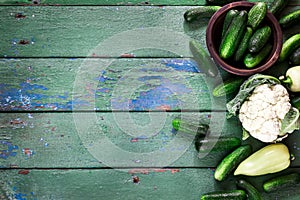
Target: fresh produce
233 36
295 57
189 127
296 102
225 195
259 38
277 6
269 159
242 49
228 87
256 14
292 79
289 46
201 11
202 58
252 192
281 182
230 15
204 145
251 60
290 19
264 110
231 161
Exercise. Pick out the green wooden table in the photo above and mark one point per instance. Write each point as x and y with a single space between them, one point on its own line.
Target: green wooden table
88 91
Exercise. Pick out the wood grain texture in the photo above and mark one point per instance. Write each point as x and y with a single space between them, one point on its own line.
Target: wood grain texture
114 184
106 84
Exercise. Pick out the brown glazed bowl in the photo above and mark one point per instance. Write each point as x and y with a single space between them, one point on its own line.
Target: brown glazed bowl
213 40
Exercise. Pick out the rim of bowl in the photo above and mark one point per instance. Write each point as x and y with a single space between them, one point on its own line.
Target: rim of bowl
277 35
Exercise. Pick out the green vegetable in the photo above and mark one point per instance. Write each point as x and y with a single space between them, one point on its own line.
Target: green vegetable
281 182
259 38
200 11
189 127
204 145
229 163
228 87
257 14
290 122
252 192
203 59
290 19
292 79
251 60
228 19
233 36
289 46
269 159
245 90
225 195
277 6
219 2
242 49
295 57
296 102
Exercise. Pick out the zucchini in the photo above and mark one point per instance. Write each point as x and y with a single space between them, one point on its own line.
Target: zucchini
200 11
295 101
229 86
204 145
259 38
233 36
218 2
225 195
203 59
252 60
289 46
228 19
242 49
290 19
189 127
282 181
295 57
257 14
252 192
277 6
231 161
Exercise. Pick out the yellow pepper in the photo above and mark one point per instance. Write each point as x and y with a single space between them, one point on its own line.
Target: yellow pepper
269 159
292 79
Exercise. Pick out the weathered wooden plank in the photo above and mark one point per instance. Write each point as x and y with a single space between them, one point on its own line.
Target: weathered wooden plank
88 140
106 84
145 184
85 31
114 2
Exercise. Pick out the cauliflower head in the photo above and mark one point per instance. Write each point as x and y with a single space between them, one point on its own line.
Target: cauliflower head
262 112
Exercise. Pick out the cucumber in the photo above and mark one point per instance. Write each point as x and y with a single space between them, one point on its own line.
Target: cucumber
257 14
219 2
277 6
242 49
229 86
220 144
289 46
203 59
189 127
295 57
233 36
200 11
259 38
228 19
252 192
231 161
225 195
290 19
252 60
280 182
295 101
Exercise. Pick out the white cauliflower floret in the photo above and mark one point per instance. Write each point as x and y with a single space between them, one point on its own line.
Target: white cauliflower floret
261 114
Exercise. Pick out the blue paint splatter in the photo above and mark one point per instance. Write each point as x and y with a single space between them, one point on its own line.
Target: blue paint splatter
10 150
181 65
